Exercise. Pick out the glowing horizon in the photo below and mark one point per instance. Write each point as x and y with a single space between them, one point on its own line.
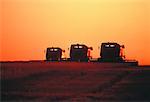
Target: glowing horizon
30 26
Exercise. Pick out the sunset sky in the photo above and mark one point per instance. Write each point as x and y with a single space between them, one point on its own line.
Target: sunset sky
28 27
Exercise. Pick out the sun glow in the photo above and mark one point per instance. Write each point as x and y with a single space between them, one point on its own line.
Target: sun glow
30 26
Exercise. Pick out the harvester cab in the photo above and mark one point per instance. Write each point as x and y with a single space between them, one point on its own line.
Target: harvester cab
80 52
54 54
112 52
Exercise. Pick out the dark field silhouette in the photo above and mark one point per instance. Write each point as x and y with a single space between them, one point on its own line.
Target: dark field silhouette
74 81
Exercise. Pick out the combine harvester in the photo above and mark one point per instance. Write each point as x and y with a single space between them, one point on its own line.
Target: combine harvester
54 54
80 52
113 52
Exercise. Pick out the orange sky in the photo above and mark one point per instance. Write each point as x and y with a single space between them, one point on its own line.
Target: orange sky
30 26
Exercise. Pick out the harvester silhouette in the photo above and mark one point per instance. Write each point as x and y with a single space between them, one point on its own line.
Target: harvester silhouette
80 52
54 54
111 52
